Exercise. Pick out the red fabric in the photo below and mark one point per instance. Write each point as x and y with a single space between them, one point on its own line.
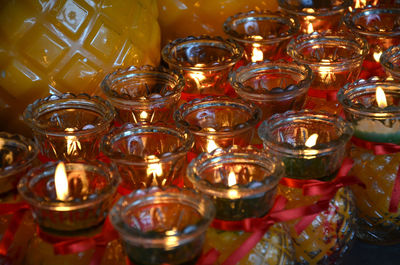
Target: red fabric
384 149
209 258
328 95
18 210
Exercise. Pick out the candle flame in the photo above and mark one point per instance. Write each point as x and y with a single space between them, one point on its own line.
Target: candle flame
143 115
231 179
310 28
73 144
197 76
312 140
154 169
61 182
380 97
377 56
211 145
257 54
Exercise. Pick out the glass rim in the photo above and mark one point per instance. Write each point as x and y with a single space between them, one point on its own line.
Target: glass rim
129 129
359 12
251 69
132 72
195 104
69 100
234 48
185 196
318 37
265 132
388 57
293 23
365 87
247 155
32 152
317 12
43 171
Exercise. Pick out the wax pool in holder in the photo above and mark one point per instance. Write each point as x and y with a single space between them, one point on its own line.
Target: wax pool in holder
204 63
376 119
242 184
69 201
335 59
263 34
380 27
316 15
311 145
148 154
144 94
218 122
163 226
69 127
17 155
390 60
273 86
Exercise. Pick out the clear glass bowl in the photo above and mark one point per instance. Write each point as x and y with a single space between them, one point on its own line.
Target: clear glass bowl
390 60
144 94
163 226
263 34
92 186
275 87
69 127
322 15
218 122
204 62
148 154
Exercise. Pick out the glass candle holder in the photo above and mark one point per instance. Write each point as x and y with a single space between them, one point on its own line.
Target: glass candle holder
163 226
218 122
17 156
69 127
204 62
376 125
85 204
263 34
242 183
148 154
380 26
316 15
144 94
275 87
335 60
390 60
287 136
328 236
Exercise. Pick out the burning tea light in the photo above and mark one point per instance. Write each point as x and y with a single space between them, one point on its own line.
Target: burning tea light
70 196
144 94
241 182
69 127
263 35
204 62
321 15
275 87
17 156
163 226
311 144
148 154
218 122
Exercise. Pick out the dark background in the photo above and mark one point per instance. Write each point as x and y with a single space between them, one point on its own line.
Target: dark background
366 254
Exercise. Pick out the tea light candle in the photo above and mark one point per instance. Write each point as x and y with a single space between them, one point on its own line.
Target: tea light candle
263 34
275 87
163 226
218 122
145 94
76 197
241 182
311 144
204 62
69 127
148 154
375 115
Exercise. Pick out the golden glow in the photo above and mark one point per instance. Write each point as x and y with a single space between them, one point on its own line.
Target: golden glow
211 145
154 169
377 56
73 144
7 157
257 54
144 115
61 182
198 76
380 97
231 179
310 28
312 140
